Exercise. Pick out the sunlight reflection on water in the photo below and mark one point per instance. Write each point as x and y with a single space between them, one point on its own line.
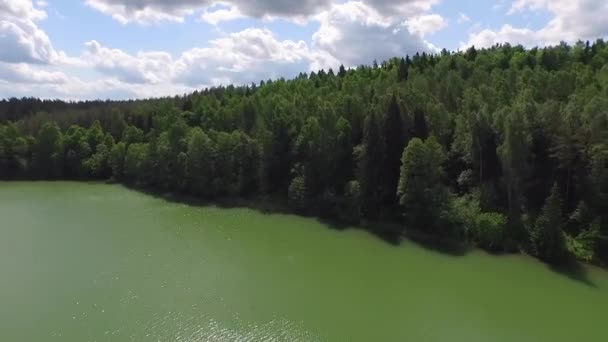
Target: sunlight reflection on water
189 330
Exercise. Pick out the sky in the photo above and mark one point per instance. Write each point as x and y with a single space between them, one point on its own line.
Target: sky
123 49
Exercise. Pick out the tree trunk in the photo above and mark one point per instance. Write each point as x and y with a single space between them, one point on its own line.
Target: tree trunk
568 187
480 165
510 197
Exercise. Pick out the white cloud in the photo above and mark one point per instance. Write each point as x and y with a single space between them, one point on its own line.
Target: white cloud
463 18
21 40
572 20
150 11
29 65
507 33
247 56
242 57
147 11
20 83
145 67
521 5
425 24
401 8
284 8
24 73
355 33
23 9
213 17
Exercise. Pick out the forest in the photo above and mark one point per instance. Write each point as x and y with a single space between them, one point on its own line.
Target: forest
505 147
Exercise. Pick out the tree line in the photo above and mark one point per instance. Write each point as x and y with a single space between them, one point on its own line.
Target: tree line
505 147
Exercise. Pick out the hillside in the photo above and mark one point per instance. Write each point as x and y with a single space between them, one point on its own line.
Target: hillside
505 147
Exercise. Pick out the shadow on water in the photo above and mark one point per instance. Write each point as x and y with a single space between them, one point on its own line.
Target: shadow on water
263 205
390 233
573 270
268 206
394 235
452 247
391 236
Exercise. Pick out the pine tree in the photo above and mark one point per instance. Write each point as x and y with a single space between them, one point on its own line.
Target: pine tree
342 71
514 153
394 133
187 106
199 163
402 71
370 167
421 193
421 128
547 237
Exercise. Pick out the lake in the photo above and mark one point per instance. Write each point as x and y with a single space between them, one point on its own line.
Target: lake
98 262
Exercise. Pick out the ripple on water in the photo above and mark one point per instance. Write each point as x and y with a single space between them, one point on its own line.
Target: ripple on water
190 329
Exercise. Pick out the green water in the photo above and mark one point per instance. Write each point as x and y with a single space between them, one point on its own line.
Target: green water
96 262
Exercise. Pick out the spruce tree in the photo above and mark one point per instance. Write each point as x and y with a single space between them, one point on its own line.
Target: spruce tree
370 167
547 237
421 192
394 133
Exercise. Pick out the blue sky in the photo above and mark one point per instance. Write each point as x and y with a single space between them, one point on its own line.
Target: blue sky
141 48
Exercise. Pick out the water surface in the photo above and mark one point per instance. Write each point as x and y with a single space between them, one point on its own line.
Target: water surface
97 262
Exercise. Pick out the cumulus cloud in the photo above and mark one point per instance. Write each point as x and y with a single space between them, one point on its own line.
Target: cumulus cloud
21 40
426 24
144 67
24 73
571 20
392 8
508 33
242 57
45 84
23 9
149 11
29 65
217 15
283 8
146 11
247 56
348 29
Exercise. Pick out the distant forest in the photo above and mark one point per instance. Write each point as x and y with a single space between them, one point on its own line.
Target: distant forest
504 147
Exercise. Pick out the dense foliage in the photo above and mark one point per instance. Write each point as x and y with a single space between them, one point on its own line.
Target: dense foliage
506 147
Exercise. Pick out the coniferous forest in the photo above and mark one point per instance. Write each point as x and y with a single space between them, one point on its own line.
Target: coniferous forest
504 147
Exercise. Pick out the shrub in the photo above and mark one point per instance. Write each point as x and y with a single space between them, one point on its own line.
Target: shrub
351 203
485 229
490 230
584 245
298 197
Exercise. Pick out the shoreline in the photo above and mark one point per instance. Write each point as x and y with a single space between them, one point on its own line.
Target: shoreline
389 232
